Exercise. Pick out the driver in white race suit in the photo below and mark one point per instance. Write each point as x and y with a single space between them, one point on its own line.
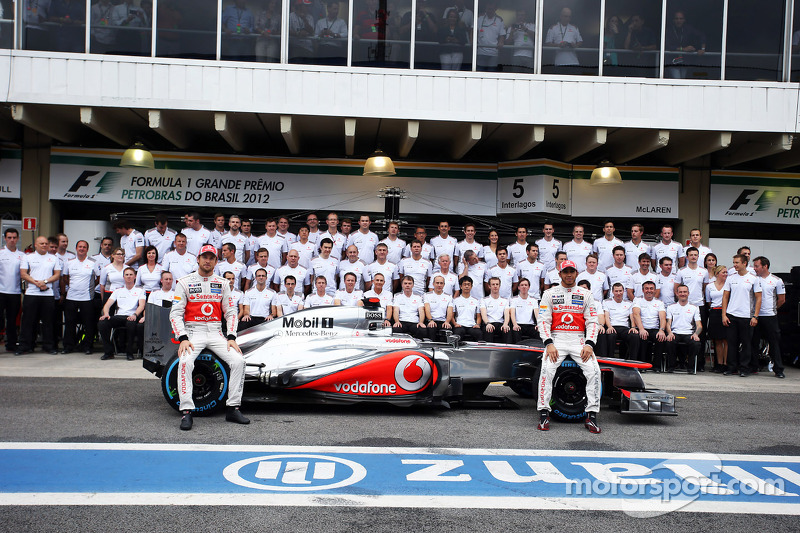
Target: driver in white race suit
201 300
568 326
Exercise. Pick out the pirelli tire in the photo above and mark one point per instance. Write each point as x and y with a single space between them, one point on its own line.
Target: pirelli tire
210 380
568 402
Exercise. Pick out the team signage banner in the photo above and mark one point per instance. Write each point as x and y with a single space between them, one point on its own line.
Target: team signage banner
538 186
10 173
268 183
766 198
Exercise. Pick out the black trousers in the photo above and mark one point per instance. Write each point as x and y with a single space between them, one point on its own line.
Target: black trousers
254 321
769 330
498 335
628 342
35 309
651 349
412 329
601 346
58 322
740 337
476 334
528 331
433 333
688 354
118 321
701 357
10 305
78 313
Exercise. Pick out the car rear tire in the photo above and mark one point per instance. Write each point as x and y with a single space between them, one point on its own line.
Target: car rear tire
209 383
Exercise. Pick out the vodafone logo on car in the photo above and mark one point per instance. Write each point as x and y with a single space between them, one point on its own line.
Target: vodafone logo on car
412 373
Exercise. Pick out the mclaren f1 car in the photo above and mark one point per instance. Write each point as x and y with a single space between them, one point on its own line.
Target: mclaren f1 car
345 355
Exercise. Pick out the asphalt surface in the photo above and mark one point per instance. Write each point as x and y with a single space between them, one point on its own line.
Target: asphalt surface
755 415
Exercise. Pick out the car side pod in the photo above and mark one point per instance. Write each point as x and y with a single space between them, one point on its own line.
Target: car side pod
649 402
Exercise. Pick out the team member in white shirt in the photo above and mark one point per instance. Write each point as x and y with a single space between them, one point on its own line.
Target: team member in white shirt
597 280
605 245
618 319
283 231
160 236
518 251
469 243
320 297
218 232
352 264
683 327
58 247
39 269
553 278
666 281
338 239
289 301
669 248
382 266
229 263
715 290
236 295
79 281
635 247
450 278
523 313
745 251
619 272
466 312
488 255
101 260
741 306
444 243
548 246
773 296
262 261
258 304
505 273
601 345
408 310
251 246
643 274
696 278
130 302
394 244
325 265
650 319
275 244
304 247
197 236
364 240
495 314
476 270
438 308
312 220
577 249
131 241
416 266
10 286
348 295
179 261
696 240
148 276
237 238
385 297
533 270
291 268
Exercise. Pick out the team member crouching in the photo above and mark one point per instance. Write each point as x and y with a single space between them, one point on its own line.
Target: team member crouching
201 300
466 311
568 326
523 314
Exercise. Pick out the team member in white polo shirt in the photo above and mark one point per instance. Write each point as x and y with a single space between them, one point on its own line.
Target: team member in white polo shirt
669 248
605 245
262 261
438 308
416 266
408 310
364 240
715 330
745 251
283 231
696 240
197 235
495 314
160 236
394 244
518 251
523 313
683 327
635 247
258 304
385 297
148 276
251 245
666 281
578 249
505 273
643 274
548 246
320 296
466 312
237 238
39 269
450 278
618 319
79 280
130 302
288 301
553 278
131 241
338 239
696 278
597 280
352 264
619 272
312 220
443 243
274 243
348 295
476 270
179 261
533 270
650 319
741 306
218 232
469 243
10 286
382 266
325 266
229 263
306 249
773 296
291 268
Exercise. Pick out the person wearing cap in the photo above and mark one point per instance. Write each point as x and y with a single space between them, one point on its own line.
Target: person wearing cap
201 300
568 327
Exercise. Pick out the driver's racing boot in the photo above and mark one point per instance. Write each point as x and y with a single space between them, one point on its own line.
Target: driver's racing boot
234 415
186 421
544 420
591 423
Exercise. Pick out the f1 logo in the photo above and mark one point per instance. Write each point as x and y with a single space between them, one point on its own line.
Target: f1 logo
294 472
83 180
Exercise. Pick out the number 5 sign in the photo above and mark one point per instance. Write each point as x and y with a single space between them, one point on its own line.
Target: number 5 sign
534 194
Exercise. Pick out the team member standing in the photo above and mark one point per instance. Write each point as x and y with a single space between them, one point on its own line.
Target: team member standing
130 302
394 244
417 267
198 330
669 248
304 247
489 250
619 272
598 281
444 243
312 220
533 270
548 246
696 240
469 243
291 268
284 233
742 295
577 249
635 247
476 271
568 327
450 278
10 286
420 234
382 266
338 239
650 319
274 243
236 238
79 281
39 269
643 274
364 240
230 263
553 277
197 235
251 246
683 327
131 241
352 264
773 296
523 313
716 331
696 278
262 262
325 266
495 314
604 247
160 236
518 251
179 261
148 275
505 273
666 281
218 232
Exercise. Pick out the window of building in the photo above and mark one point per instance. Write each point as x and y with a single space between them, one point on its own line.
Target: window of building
632 38
755 40
56 26
795 75
693 39
187 29
6 24
121 28
519 50
318 32
571 37
380 39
